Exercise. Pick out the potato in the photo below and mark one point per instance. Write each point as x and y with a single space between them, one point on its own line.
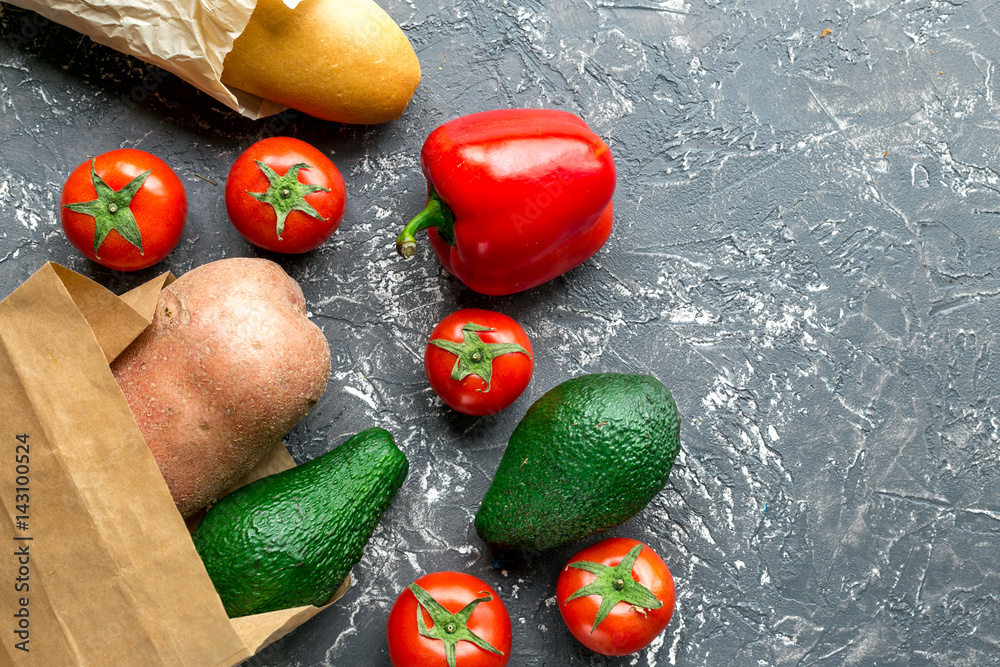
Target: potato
229 364
337 60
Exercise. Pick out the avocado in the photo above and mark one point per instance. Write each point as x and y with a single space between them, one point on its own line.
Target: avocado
290 539
586 456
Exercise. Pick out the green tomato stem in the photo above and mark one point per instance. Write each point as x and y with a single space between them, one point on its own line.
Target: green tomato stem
475 357
613 585
449 628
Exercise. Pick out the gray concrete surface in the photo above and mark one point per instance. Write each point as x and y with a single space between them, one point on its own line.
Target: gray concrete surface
805 252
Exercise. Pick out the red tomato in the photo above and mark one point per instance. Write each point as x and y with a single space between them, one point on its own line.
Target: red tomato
124 209
478 361
590 578
285 195
481 641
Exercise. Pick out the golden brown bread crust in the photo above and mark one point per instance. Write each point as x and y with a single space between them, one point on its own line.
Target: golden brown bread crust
338 60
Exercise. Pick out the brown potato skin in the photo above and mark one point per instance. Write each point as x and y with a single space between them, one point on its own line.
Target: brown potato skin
339 60
228 366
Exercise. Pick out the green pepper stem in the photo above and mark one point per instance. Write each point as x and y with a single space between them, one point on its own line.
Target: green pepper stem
437 215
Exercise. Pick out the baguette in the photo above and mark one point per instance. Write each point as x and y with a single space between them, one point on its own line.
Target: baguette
339 60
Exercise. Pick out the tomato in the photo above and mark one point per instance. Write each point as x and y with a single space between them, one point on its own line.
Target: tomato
616 596
285 195
124 209
459 621
478 361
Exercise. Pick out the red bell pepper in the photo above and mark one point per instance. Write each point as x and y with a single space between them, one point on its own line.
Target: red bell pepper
516 197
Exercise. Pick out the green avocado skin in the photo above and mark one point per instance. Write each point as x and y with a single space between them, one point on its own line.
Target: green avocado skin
586 456
290 539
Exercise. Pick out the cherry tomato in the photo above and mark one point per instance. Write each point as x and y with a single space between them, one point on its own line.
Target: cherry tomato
124 209
285 195
616 596
459 621
478 361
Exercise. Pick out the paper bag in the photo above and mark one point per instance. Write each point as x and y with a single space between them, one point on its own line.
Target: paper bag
96 565
189 38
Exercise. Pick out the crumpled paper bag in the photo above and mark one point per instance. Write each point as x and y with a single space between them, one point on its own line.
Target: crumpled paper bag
189 38
96 564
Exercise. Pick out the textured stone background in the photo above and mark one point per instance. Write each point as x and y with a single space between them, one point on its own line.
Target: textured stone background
805 249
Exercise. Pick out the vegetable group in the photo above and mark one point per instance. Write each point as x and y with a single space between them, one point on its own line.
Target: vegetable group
124 209
283 194
478 361
231 363
449 619
616 596
516 197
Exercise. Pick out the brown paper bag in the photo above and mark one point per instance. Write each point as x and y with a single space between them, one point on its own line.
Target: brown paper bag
96 565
